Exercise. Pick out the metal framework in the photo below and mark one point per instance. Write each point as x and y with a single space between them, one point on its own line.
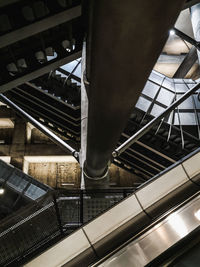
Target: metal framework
40 71
41 127
152 123
40 26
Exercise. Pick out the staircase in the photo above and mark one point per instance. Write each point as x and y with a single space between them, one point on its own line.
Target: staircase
36 38
54 100
51 110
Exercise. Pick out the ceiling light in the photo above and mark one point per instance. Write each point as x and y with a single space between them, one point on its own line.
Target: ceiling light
172 32
2 190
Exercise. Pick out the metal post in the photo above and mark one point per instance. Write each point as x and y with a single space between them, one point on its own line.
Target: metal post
149 125
81 207
187 38
41 127
187 63
116 73
124 193
57 214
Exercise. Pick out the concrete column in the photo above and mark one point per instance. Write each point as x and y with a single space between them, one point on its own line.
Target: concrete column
18 143
84 117
29 128
195 19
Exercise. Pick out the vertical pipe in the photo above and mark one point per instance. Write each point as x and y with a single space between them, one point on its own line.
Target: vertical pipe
57 214
125 41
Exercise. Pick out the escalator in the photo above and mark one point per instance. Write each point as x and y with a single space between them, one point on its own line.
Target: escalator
178 184
46 227
171 241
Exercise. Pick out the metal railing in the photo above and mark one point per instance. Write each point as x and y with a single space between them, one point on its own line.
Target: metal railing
56 139
49 219
152 123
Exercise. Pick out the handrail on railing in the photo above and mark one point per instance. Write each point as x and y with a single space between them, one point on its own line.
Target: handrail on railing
153 122
41 127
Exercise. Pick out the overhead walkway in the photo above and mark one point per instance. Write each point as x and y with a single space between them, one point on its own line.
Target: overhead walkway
107 232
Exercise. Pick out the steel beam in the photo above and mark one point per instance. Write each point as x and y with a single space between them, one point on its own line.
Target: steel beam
187 63
187 38
125 40
37 150
190 3
67 73
8 2
40 26
6 113
39 72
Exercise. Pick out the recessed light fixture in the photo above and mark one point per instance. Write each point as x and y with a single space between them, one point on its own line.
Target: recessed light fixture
172 32
2 190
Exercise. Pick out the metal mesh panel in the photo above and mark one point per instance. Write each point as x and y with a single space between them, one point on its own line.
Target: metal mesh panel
69 209
95 205
38 223
30 229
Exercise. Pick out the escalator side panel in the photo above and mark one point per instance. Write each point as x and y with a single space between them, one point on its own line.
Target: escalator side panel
73 249
169 190
117 225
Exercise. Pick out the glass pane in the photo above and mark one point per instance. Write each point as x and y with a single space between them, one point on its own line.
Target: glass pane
34 192
176 119
5 171
78 71
178 80
165 97
70 66
150 89
143 104
187 104
169 84
156 77
17 182
181 88
196 100
156 110
187 118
